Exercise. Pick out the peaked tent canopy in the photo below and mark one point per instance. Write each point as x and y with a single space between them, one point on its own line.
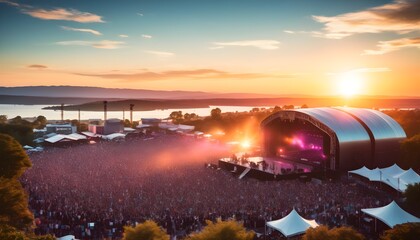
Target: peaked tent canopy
393 176
293 224
393 170
409 176
391 214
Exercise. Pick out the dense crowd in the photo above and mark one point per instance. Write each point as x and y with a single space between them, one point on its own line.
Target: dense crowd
92 191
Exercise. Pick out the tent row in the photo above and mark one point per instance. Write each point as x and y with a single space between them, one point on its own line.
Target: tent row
84 136
393 176
293 224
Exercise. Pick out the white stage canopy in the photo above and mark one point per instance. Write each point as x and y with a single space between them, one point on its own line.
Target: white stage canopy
391 214
293 224
393 176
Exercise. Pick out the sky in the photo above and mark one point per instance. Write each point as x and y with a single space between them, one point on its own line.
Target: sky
280 47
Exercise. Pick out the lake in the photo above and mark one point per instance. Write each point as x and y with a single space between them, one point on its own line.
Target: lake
12 111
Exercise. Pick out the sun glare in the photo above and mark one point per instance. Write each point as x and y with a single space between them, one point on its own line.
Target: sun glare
349 84
246 144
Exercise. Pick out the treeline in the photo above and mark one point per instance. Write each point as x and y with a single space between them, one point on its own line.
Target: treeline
21 129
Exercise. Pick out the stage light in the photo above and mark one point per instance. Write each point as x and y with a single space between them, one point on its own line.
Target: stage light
245 144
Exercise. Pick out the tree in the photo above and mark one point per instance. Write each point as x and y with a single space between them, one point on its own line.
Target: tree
42 121
406 231
304 106
216 113
223 230
3 119
10 233
14 204
148 230
176 116
14 160
411 152
13 200
412 198
276 109
323 233
288 107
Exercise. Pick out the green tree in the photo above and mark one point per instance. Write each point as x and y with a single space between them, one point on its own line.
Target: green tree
10 233
148 230
412 198
13 161
13 200
406 231
411 152
42 121
223 230
3 119
216 113
323 233
14 204
176 116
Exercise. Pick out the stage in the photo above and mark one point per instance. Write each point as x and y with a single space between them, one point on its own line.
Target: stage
269 168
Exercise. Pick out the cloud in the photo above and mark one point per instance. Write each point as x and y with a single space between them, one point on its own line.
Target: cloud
94 32
104 44
123 36
261 44
160 53
140 14
394 45
185 75
363 70
289 31
37 66
56 14
146 36
401 16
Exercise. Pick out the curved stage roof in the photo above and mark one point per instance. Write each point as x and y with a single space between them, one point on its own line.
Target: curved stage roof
364 136
346 127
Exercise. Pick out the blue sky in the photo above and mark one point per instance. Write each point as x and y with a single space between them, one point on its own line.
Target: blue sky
266 46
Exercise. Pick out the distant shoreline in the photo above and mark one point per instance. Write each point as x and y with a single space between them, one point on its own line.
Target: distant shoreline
96 104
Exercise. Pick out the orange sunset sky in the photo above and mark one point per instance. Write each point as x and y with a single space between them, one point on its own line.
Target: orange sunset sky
274 47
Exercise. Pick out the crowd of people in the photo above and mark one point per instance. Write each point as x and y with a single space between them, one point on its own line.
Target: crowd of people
93 191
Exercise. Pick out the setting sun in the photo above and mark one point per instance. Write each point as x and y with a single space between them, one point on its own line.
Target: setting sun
350 84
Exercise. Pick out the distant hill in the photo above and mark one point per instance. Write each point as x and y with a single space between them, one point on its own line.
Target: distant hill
109 93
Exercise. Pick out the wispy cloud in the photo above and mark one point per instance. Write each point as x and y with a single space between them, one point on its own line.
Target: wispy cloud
161 53
393 45
37 66
56 13
94 32
104 44
363 70
123 36
146 36
140 14
195 74
261 44
289 31
401 16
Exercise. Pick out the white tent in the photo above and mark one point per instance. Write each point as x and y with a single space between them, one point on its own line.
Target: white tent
391 214
393 170
113 136
67 237
293 224
409 176
363 171
393 176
